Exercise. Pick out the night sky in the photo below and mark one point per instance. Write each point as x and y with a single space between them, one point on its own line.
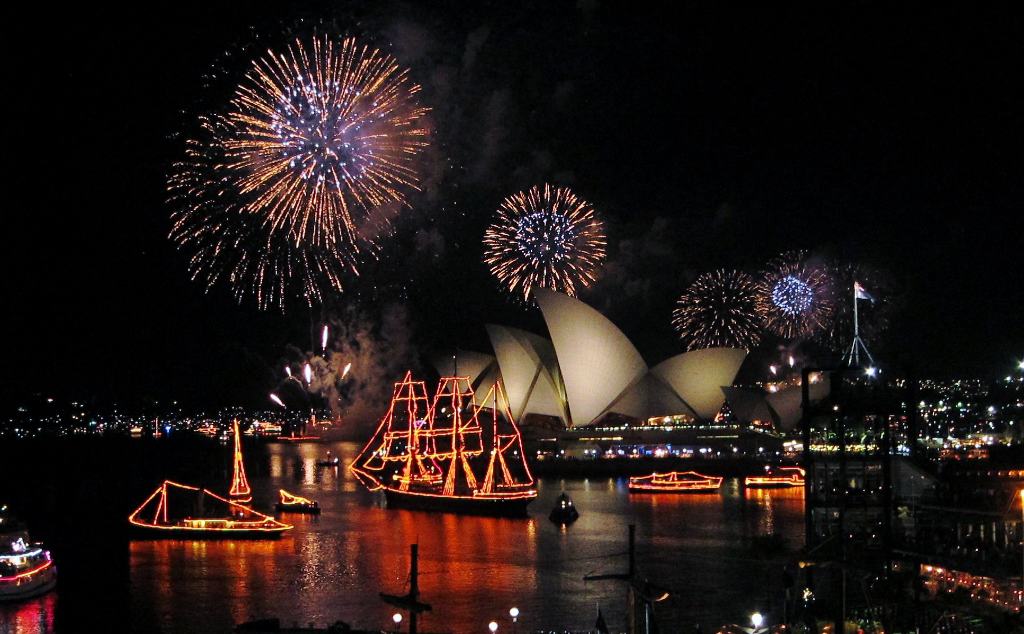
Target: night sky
706 138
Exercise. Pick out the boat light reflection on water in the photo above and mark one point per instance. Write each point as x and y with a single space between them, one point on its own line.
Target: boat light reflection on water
333 566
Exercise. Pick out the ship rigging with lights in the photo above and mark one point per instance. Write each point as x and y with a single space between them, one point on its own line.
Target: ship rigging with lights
450 453
181 511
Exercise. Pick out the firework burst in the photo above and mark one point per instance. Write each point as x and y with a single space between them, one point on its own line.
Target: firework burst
795 296
286 190
545 237
720 309
322 132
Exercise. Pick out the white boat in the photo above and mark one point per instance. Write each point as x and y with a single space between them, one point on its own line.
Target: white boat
26 569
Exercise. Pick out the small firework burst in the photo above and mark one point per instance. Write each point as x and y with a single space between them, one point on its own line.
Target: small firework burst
545 237
795 296
720 309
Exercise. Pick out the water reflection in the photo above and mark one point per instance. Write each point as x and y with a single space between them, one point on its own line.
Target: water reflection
28 617
473 569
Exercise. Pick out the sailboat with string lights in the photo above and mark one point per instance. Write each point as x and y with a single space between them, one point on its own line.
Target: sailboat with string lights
448 453
181 511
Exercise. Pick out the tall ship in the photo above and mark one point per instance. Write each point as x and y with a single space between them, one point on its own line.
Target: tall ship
181 511
26 569
449 453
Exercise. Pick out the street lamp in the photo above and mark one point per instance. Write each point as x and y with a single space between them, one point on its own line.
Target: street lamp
756 620
397 618
514 613
492 626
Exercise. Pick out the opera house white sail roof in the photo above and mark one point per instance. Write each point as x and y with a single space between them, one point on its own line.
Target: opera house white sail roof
589 368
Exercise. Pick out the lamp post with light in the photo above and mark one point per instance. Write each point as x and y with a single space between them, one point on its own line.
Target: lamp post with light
397 618
493 626
756 620
514 613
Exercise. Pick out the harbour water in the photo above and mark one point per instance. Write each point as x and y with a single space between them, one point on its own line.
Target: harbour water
472 569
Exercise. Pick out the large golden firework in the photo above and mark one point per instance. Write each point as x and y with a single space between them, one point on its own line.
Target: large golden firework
282 192
545 237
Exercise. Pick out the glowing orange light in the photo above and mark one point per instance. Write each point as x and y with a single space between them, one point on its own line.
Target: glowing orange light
260 524
675 482
240 491
777 477
439 449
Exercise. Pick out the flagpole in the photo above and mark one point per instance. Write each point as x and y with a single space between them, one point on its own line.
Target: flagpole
856 327
855 347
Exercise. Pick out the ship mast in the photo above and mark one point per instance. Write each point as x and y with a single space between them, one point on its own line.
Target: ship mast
500 443
240 492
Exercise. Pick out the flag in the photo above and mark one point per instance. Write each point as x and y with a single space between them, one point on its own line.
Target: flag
601 626
860 293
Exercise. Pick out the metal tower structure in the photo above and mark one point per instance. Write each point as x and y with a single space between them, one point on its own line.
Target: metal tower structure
852 357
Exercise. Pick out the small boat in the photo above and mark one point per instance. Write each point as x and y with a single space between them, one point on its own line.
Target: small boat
565 511
26 569
186 512
290 503
200 514
330 461
776 477
675 482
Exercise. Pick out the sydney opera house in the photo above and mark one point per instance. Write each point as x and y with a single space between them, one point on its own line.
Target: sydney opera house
586 372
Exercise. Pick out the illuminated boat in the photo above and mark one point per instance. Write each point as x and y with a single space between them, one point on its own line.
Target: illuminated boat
776 477
675 482
26 569
291 503
565 511
435 455
180 511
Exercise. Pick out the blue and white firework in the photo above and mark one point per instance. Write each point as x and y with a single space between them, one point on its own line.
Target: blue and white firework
795 296
545 237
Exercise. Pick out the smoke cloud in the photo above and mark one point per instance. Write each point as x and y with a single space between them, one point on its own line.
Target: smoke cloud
379 348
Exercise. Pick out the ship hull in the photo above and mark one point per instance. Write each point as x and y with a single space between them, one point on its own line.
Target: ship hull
304 509
40 584
675 490
181 532
773 485
501 507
